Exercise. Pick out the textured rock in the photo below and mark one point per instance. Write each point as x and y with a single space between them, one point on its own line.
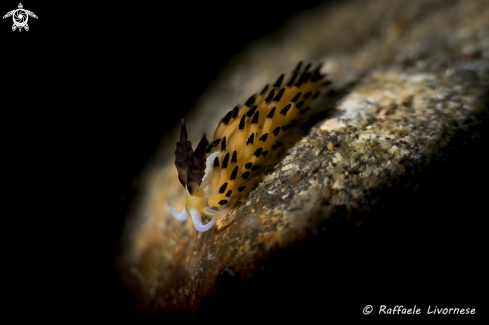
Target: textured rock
411 80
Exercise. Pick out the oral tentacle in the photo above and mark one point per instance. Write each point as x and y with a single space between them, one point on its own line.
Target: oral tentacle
179 216
196 218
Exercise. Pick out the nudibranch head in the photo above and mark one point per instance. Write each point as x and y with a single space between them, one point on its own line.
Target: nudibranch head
197 201
216 175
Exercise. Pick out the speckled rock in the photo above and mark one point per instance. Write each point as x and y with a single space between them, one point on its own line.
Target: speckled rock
409 77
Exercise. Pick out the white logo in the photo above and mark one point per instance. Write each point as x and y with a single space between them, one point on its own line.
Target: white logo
20 17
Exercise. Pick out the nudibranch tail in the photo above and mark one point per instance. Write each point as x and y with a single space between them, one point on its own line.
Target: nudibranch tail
246 139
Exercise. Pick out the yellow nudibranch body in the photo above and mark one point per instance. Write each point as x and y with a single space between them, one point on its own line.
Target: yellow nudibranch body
216 175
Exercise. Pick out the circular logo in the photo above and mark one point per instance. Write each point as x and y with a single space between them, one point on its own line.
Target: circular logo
368 309
20 17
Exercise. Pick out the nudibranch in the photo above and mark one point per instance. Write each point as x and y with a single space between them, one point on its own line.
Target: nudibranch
216 175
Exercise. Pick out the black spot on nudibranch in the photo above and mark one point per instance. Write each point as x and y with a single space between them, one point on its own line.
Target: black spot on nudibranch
298 67
245 175
307 95
212 145
296 97
222 202
279 95
250 139
234 174
248 165
250 101
228 194
315 95
227 117
264 137
216 142
300 104
235 112
242 122
223 144
276 131
303 78
235 156
272 111
286 127
255 118
251 111
241 188
264 89
292 80
216 162
278 83
270 96
258 152
285 109
255 168
316 76
299 82
264 153
225 161
276 145
223 188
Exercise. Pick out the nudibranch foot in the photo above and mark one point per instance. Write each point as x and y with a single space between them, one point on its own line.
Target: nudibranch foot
179 216
221 212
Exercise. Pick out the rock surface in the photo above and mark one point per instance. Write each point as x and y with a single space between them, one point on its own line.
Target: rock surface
411 81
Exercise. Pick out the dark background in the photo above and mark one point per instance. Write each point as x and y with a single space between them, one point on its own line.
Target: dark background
88 93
